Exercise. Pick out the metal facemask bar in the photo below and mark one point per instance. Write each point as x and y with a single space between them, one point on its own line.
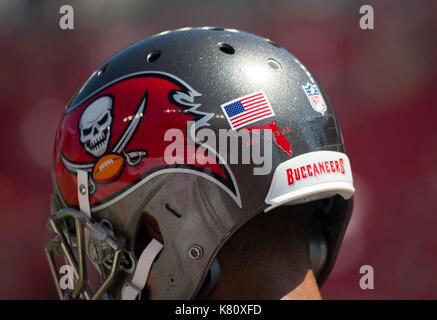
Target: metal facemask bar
76 256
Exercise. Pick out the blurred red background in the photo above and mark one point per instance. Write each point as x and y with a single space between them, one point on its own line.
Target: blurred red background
380 81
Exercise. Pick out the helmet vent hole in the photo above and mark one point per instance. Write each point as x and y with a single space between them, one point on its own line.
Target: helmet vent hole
217 29
226 48
153 56
274 64
272 43
102 69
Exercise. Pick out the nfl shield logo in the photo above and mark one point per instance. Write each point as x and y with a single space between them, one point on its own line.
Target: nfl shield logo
315 98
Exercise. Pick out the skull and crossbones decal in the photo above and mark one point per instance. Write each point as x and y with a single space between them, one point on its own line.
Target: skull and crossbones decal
95 128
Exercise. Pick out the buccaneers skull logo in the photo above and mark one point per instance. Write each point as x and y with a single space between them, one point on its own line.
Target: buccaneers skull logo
116 134
95 126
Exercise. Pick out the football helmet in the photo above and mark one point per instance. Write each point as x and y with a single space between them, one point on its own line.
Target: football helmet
144 195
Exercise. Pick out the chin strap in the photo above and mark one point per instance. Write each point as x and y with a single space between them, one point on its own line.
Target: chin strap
82 192
133 289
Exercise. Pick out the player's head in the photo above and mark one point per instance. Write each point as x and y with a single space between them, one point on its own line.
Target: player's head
192 158
269 257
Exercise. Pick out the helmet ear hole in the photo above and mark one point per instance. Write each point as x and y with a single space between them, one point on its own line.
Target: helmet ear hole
318 245
318 252
210 281
148 229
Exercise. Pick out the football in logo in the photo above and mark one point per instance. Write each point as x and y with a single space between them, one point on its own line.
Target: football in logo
108 168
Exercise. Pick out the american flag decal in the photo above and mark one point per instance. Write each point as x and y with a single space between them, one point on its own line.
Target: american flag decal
245 110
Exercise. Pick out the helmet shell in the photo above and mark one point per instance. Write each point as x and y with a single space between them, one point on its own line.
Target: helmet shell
166 82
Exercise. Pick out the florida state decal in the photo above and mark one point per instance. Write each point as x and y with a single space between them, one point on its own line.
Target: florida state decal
117 135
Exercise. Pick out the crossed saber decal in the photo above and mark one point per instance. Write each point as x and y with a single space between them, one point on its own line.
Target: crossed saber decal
133 157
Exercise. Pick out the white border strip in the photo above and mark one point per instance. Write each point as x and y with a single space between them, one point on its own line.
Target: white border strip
236 198
301 179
